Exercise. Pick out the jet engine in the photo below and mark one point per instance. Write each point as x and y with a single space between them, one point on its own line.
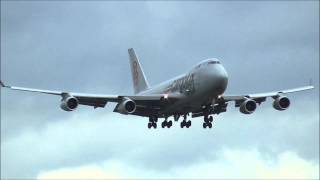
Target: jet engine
69 103
127 106
248 106
281 103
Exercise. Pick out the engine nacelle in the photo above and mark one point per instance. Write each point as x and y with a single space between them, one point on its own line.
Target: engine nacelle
248 106
281 103
69 103
127 106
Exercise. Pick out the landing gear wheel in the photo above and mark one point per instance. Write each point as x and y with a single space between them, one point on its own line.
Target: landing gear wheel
188 124
154 125
206 120
163 124
204 125
152 122
210 119
166 123
183 124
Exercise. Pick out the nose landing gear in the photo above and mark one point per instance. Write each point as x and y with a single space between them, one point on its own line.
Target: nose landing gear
176 117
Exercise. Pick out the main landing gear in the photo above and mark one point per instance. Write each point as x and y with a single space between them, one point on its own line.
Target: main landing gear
185 123
153 122
207 122
166 123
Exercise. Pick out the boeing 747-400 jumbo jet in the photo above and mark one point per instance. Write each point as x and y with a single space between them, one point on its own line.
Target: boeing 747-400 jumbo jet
199 92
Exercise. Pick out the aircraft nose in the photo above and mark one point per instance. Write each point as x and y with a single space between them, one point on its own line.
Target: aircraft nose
222 76
220 79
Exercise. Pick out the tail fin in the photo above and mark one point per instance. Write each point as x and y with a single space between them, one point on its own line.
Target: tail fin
140 82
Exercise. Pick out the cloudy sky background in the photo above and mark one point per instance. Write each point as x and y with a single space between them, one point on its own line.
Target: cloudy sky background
82 47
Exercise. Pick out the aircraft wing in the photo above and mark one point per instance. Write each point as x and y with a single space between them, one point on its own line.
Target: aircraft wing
260 97
222 102
100 100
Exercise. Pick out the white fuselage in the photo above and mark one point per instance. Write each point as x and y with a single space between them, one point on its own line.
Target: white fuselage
199 87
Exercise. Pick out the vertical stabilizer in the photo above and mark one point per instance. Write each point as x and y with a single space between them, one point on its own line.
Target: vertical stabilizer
140 82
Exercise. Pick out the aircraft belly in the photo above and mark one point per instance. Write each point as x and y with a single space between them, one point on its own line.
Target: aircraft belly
186 105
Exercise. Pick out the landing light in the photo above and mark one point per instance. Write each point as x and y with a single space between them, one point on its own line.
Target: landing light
166 96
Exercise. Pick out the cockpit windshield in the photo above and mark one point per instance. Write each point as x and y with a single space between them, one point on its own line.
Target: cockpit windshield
213 62
207 62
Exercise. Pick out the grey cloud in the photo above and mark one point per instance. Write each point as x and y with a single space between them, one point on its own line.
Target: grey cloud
94 137
82 47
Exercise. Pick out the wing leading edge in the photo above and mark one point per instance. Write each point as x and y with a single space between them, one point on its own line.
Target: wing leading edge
100 100
266 94
260 97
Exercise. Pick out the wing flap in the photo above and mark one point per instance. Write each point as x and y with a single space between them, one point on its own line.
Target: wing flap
96 102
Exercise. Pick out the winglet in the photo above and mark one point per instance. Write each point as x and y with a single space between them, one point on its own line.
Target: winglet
2 85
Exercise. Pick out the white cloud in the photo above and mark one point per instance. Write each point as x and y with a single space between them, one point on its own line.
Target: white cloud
84 172
90 138
230 164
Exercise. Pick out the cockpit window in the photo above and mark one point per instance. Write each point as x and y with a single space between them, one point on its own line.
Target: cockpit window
213 62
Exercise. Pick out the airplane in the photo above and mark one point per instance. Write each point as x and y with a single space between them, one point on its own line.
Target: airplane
199 92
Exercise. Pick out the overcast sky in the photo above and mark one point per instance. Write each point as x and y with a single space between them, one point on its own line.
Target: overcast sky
82 46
